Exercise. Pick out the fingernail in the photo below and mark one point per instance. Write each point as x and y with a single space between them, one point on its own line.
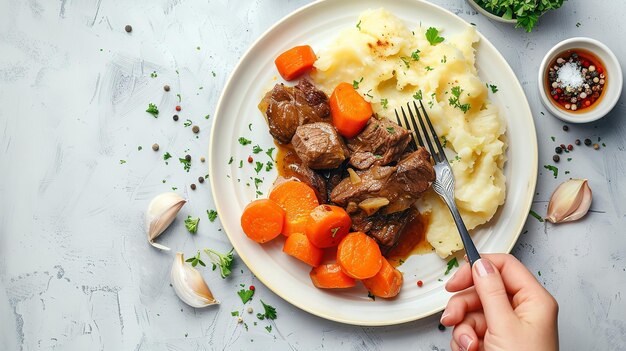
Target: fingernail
483 267
465 341
443 316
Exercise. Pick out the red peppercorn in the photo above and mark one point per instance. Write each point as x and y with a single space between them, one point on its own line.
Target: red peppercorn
250 159
178 108
562 146
570 147
420 283
252 287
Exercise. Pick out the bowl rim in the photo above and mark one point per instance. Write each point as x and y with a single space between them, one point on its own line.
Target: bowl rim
605 54
490 15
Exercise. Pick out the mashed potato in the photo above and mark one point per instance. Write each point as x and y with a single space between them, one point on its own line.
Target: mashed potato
391 64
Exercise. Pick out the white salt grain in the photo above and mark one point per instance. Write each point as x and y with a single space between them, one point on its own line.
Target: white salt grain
569 75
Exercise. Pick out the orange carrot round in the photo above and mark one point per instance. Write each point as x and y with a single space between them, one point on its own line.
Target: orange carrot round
262 220
386 283
298 200
327 225
350 112
359 256
330 276
299 246
295 61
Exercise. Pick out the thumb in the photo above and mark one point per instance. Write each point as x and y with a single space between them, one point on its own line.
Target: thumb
492 293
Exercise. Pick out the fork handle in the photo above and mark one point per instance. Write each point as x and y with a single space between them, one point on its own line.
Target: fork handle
470 249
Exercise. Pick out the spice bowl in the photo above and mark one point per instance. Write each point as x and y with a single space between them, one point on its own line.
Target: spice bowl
580 80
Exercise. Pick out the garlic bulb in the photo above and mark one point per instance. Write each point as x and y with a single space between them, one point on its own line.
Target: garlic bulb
189 284
570 201
161 212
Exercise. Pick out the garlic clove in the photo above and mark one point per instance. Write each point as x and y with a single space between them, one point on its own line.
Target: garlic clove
570 201
161 213
189 284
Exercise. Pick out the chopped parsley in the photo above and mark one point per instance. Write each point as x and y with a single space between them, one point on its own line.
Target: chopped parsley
553 138
256 149
166 156
195 260
234 313
358 25
240 163
269 152
390 130
537 216
552 168
418 95
186 164
250 126
455 102
153 110
192 224
212 214
268 166
224 261
122 162
179 97
270 311
231 160
268 328
355 84
444 59
383 103
428 68
187 123
432 35
259 167
415 55
153 74
444 141
406 61
139 148
257 182
243 141
451 264
494 88
245 295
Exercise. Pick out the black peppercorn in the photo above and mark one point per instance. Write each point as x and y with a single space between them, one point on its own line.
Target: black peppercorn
175 117
128 28
565 128
577 142
588 142
201 179
188 157
166 87
556 158
193 186
558 149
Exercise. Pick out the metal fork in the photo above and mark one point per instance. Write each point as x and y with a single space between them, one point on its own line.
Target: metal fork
444 179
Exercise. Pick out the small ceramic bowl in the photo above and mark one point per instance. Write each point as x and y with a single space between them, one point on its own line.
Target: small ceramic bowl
610 94
489 14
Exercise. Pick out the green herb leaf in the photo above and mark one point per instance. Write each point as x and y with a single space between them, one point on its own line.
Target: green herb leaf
234 313
444 59
231 160
418 95
224 261
268 328
153 110
355 84
186 164
192 224
245 295
256 149
212 214
406 61
243 141
552 168
195 260
122 162
358 25
269 153
390 130
536 215
268 166
415 55
428 68
270 312
451 264
383 103
187 123
494 88
259 167
432 35
455 99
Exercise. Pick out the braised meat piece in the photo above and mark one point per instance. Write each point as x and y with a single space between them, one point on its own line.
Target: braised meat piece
401 184
319 146
385 229
380 143
288 108
293 167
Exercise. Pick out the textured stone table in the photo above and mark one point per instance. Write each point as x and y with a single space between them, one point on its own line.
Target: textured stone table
75 270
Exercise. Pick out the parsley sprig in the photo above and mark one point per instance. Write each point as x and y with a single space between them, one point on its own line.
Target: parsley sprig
432 35
451 264
153 110
224 261
195 260
454 100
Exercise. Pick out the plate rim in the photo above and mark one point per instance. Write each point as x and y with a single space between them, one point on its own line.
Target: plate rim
218 111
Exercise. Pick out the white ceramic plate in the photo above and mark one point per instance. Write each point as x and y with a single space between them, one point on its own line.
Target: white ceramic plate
316 24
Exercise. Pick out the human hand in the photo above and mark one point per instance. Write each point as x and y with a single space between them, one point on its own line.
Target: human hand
499 305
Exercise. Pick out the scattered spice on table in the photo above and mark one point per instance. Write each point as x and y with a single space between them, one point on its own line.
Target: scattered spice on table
565 128
556 158
596 146
570 147
128 28
202 159
192 186
155 147
558 149
178 108
250 159
200 179
175 117
420 283
195 129
577 142
188 157
166 87
588 142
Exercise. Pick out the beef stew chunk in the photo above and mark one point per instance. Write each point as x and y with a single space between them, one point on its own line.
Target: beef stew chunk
319 146
380 143
290 107
401 184
385 229
292 167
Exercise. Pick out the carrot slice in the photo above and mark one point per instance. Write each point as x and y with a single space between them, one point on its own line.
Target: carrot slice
298 200
350 112
295 61
262 220
359 256
299 246
386 283
330 276
327 225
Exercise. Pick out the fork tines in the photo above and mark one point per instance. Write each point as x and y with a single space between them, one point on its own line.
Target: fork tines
421 133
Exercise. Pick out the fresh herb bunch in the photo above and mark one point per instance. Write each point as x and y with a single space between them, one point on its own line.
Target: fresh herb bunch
224 261
526 12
